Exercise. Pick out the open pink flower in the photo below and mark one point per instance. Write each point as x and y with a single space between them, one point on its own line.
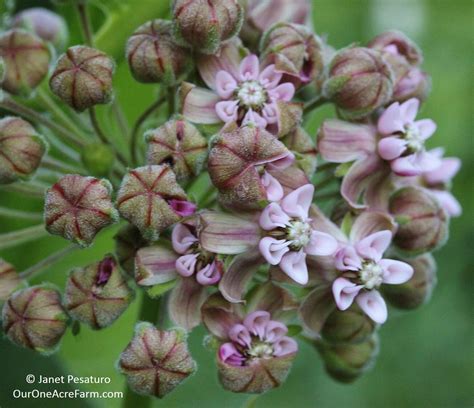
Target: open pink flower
290 235
403 139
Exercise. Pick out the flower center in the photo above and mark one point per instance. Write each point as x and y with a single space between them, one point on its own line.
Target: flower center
299 233
371 274
260 349
413 137
251 94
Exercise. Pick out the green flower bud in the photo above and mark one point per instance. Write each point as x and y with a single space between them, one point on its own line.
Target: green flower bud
98 159
34 318
98 294
423 224
417 291
21 150
26 58
179 144
304 149
82 77
127 242
155 362
9 280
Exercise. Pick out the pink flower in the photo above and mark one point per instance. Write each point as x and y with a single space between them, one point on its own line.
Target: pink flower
290 234
403 139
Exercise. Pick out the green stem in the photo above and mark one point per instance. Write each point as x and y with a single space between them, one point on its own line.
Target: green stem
326 166
85 23
24 215
53 164
251 401
11 239
47 262
27 189
120 118
313 104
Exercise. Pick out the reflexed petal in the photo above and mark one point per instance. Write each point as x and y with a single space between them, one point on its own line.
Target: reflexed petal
275 331
225 84
155 265
256 323
229 354
406 166
316 308
254 118
347 259
272 187
321 244
227 110
186 264
370 222
448 202
182 238
391 147
426 127
285 346
373 246
445 172
294 265
269 78
282 163
271 298
391 120
283 92
297 203
273 249
409 110
218 316
273 217
395 272
198 104
241 335
344 292
320 222
427 161
209 275
271 113
373 305
249 68
183 208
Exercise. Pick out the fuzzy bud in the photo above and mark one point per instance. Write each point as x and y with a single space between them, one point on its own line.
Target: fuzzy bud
154 57
417 291
34 318
155 362
127 242
26 58
295 51
9 280
78 207
204 24
151 199
303 147
21 150
422 223
98 159
179 144
97 294
82 77
45 24
347 362
359 82
400 44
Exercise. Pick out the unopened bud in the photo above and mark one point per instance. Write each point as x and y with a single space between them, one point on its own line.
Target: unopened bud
179 144
97 294
98 159
82 77
45 24
397 42
78 207
127 242
359 82
156 361
153 56
21 148
9 280
422 223
417 291
34 318
151 199
203 24
300 143
26 58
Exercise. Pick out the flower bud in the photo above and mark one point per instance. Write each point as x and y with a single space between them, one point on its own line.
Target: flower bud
97 294
348 326
295 51
422 223
347 362
127 242
359 82
45 24
78 207
155 361
153 55
21 149
34 318
417 291
82 77
98 159
9 280
203 24
303 147
151 199
179 144
397 42
26 59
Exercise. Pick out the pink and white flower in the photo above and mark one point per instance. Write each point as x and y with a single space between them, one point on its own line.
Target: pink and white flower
290 236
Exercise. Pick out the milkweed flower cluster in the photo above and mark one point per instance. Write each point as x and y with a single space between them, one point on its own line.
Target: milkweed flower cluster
222 211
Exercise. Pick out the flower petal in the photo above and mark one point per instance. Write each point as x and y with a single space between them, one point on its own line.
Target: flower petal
391 147
273 249
285 346
271 298
320 222
294 265
186 264
272 187
373 246
249 68
275 331
282 163
409 110
155 265
391 120
271 113
316 308
273 217
297 203
229 354
227 111
198 104
210 274
445 172
252 117
182 238
344 292
240 334
373 305
426 127
269 78
256 323
395 272
219 316
347 259
321 244
370 222
448 202
225 84
283 92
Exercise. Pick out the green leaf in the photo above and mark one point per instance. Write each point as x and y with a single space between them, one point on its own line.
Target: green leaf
294 330
158 290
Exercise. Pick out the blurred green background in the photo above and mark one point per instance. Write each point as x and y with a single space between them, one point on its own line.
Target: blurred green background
426 357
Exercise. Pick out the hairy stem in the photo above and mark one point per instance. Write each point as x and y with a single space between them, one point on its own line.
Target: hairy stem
19 214
11 239
47 262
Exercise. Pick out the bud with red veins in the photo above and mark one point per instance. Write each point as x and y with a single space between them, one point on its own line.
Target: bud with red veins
151 199
78 207
204 24
179 144
295 51
9 280
300 143
45 24
153 55
82 77
423 224
359 82
238 165
26 58
155 361
34 318
399 42
21 150
127 242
